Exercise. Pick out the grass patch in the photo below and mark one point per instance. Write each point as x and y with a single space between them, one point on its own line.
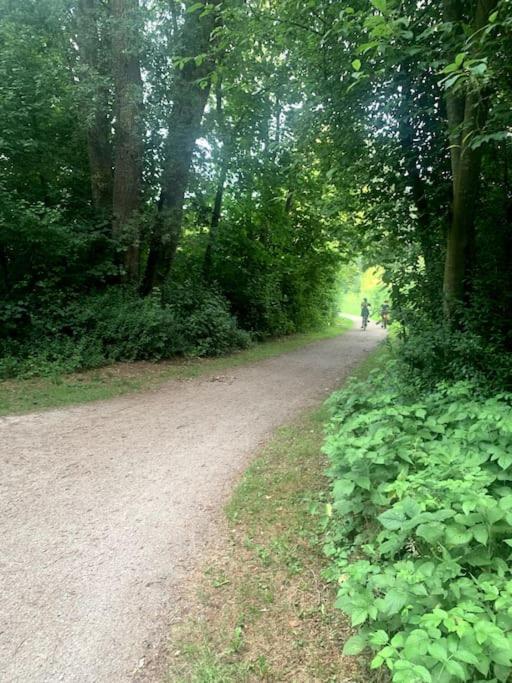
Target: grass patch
263 611
19 396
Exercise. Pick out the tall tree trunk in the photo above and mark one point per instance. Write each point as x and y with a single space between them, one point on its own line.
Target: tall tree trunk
465 116
94 79
129 131
221 181
427 228
191 90
216 216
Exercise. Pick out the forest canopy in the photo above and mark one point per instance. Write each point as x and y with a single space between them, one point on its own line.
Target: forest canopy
181 177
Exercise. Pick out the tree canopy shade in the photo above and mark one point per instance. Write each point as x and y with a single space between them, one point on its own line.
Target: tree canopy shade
229 157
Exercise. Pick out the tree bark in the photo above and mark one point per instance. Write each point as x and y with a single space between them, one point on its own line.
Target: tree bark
94 78
425 229
191 90
216 216
465 116
221 181
129 130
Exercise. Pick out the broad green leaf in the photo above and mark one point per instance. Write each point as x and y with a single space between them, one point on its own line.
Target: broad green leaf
196 6
438 650
457 535
355 645
431 532
467 657
481 534
343 488
381 5
394 601
359 616
392 519
379 638
456 669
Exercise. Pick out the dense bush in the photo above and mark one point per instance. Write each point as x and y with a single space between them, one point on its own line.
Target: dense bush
421 528
432 352
117 325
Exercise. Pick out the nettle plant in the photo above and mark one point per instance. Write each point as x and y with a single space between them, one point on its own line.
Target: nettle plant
420 530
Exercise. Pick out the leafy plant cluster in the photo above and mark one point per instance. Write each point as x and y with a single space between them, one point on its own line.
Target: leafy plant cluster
420 530
432 352
117 325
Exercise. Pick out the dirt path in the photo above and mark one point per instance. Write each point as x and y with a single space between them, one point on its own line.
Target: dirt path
106 507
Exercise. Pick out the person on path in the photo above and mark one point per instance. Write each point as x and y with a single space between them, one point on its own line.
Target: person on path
365 313
384 314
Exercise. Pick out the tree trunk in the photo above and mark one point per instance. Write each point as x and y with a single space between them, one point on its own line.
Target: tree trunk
191 90
129 131
465 116
425 227
221 181
98 124
216 215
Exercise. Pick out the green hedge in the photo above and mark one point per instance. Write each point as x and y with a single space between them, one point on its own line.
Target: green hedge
420 528
117 325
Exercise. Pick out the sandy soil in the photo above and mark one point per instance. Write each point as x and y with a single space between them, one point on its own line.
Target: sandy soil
107 507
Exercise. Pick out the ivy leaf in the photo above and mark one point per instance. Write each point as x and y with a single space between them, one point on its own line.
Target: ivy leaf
356 64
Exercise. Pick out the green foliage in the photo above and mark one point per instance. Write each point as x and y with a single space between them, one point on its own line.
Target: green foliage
421 528
432 352
116 325
42 150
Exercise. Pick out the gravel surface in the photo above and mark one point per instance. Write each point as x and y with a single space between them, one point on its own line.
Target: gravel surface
106 507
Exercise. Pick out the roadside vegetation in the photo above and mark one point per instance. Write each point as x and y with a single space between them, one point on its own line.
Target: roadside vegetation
36 393
421 526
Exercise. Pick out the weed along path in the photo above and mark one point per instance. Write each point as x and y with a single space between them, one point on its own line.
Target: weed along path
106 507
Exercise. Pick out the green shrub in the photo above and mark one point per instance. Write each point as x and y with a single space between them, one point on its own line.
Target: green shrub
420 533
117 325
433 352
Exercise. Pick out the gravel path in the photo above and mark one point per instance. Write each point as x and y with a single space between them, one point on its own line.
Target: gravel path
106 507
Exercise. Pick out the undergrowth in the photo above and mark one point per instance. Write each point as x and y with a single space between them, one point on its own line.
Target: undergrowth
420 527
116 325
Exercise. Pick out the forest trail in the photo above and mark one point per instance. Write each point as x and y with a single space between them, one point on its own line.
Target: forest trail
106 507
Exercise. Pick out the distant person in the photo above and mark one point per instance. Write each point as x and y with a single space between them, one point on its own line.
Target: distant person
384 314
365 313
